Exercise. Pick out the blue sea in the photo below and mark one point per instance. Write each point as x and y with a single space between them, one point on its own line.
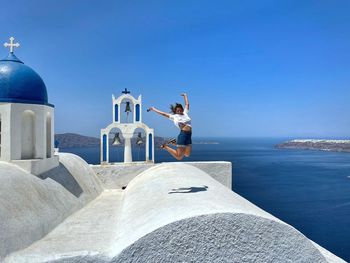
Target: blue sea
309 190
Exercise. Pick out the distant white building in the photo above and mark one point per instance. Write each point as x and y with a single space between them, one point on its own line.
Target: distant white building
127 129
26 117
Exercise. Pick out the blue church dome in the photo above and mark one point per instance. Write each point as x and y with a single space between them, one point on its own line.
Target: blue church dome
20 84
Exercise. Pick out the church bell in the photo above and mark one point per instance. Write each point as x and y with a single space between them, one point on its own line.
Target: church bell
127 107
116 140
139 140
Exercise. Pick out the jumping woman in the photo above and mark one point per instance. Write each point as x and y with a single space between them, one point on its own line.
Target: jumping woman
181 120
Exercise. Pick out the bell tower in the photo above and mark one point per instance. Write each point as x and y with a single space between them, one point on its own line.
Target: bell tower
127 117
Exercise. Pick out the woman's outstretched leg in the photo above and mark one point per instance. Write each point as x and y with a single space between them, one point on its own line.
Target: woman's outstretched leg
177 154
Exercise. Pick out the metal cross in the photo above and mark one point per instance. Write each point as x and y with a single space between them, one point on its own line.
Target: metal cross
125 91
11 45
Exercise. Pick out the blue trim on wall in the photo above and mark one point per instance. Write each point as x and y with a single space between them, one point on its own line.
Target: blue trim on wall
150 147
104 147
26 102
116 113
137 111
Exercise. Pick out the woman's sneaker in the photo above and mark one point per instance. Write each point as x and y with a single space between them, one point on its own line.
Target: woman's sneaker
172 141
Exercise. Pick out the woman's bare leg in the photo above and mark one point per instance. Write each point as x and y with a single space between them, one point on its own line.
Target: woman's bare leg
177 154
188 150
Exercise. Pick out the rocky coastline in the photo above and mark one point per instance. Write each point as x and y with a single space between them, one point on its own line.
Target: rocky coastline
320 145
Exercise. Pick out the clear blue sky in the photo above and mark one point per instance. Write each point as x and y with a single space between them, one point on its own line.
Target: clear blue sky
251 68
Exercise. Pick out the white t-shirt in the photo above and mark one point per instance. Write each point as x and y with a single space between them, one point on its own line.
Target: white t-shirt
181 120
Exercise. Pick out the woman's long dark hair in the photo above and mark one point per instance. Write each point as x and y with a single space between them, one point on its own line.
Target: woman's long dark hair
173 107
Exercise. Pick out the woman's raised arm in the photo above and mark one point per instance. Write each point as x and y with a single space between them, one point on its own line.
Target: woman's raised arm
187 105
167 115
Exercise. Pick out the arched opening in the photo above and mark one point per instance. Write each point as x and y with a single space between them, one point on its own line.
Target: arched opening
116 146
48 136
126 111
150 147
138 143
104 148
116 112
28 135
137 113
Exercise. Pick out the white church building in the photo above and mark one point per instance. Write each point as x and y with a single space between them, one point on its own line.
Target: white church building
26 116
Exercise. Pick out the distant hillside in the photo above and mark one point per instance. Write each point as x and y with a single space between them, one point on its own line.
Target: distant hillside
68 140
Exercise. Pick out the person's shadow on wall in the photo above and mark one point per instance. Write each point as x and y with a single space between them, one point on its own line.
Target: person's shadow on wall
187 190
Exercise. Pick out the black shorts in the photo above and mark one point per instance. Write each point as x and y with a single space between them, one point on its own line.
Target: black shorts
184 139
